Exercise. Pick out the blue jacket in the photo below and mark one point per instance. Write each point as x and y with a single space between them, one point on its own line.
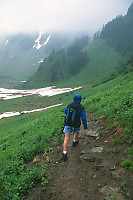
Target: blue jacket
82 114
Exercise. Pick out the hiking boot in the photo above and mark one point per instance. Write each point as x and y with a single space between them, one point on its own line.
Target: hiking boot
75 143
65 156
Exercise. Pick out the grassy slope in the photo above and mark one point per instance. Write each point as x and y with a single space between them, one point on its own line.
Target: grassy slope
103 60
22 66
113 99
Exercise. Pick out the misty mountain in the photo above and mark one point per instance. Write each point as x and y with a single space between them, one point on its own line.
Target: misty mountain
21 55
84 63
60 65
76 65
119 32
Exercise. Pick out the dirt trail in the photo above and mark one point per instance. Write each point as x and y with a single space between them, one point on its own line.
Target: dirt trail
87 174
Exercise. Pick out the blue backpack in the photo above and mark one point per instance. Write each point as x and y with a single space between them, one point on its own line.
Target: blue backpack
73 115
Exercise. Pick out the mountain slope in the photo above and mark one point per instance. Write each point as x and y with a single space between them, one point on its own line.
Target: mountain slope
119 32
104 56
21 55
100 60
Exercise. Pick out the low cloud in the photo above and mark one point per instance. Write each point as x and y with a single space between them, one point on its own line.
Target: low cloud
58 15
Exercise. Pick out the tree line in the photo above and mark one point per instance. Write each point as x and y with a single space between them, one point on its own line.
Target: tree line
62 64
119 32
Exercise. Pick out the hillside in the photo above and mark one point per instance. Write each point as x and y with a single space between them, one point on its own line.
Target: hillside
60 65
22 54
87 66
92 61
118 33
101 166
24 163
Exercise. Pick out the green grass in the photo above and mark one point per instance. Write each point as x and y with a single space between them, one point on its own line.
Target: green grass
21 139
114 99
24 136
103 60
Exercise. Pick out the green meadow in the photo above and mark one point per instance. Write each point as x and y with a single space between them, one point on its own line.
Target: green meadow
25 136
102 60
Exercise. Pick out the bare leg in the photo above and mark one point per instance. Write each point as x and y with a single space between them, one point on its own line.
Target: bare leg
66 140
76 135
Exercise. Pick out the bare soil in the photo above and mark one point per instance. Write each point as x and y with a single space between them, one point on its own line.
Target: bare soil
86 173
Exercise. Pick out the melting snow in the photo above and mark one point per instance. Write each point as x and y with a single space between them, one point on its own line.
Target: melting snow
48 38
7 41
48 91
41 60
11 114
23 81
37 44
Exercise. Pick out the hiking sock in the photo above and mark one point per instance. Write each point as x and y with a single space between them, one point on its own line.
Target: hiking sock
64 155
75 142
65 152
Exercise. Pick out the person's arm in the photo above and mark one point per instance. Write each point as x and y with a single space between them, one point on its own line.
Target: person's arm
83 117
66 110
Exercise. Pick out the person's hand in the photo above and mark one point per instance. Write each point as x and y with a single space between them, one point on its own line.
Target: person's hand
85 130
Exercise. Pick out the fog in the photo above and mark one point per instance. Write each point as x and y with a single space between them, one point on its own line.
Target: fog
68 16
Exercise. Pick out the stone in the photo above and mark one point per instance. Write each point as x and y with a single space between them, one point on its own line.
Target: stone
99 167
105 164
112 193
88 158
93 159
97 149
94 176
82 152
44 189
71 168
92 134
102 117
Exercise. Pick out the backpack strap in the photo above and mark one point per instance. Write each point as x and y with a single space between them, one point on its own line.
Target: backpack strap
75 106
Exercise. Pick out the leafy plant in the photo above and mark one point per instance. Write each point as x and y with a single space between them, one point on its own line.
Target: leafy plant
108 151
100 158
116 141
44 181
100 133
128 163
123 188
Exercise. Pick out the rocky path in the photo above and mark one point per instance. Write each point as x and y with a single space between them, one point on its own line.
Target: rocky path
92 171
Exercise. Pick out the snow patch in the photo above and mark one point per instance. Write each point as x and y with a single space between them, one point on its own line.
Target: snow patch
23 81
41 60
7 42
48 91
11 114
37 44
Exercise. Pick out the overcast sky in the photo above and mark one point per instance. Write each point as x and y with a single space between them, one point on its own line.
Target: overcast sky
58 15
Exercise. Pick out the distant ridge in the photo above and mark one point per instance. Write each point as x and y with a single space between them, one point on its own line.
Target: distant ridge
119 32
92 62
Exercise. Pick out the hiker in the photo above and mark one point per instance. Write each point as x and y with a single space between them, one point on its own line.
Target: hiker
74 113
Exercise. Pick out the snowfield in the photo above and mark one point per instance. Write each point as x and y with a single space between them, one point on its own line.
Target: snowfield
48 91
11 114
